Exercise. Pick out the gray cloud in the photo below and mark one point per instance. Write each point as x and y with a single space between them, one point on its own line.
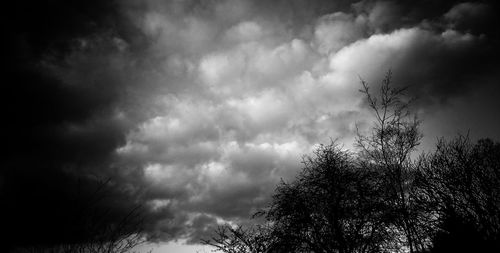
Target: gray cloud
197 109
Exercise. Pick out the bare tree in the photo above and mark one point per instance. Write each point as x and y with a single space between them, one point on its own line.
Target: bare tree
461 182
237 239
388 146
383 198
332 206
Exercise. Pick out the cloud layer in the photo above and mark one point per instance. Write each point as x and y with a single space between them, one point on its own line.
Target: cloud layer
196 109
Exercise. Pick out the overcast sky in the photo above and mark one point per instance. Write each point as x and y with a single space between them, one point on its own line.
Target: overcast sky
197 109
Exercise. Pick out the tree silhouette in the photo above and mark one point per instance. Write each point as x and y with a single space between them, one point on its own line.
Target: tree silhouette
237 239
383 198
334 205
461 182
388 147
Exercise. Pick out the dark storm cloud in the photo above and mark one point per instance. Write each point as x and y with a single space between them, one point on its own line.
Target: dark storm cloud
463 60
474 17
437 67
196 109
446 54
43 111
55 131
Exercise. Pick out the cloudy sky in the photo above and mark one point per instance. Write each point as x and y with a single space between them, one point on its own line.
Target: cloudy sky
196 109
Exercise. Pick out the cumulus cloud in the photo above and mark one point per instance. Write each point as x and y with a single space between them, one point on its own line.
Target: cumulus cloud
197 109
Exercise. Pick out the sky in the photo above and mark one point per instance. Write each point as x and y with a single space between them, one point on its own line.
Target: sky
195 110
